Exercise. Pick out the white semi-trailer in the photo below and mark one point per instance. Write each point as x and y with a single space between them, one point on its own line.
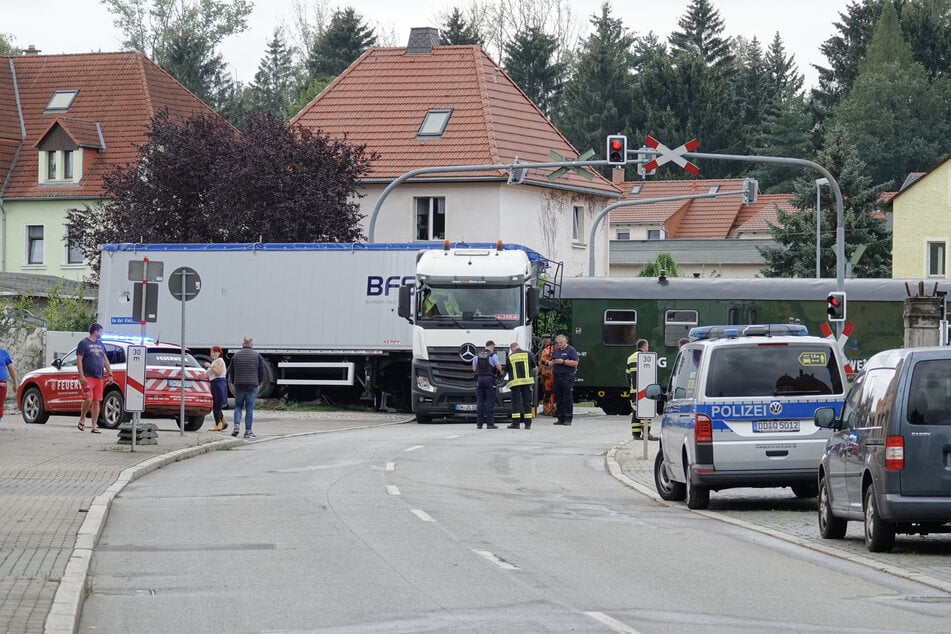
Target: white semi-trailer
324 316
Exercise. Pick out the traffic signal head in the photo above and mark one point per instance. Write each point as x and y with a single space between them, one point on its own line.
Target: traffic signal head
617 149
835 306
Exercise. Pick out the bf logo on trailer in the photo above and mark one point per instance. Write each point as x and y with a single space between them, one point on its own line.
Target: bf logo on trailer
135 379
646 374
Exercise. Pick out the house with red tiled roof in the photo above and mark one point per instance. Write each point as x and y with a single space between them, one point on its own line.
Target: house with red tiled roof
65 121
716 236
443 106
921 224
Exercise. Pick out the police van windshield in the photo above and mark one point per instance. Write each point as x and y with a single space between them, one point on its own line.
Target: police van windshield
442 306
773 370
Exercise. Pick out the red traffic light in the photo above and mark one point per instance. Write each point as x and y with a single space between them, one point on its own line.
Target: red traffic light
835 306
616 145
617 150
834 300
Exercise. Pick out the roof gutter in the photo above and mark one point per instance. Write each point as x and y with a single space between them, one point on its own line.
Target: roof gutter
13 164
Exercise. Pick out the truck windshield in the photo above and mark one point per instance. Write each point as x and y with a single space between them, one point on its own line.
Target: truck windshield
499 306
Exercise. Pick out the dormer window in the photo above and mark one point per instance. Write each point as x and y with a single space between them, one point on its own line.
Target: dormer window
60 166
61 100
434 124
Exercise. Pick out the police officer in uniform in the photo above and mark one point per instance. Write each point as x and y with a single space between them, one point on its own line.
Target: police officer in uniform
637 426
486 365
521 363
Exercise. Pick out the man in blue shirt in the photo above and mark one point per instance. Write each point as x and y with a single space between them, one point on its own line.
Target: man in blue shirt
564 362
7 371
94 369
486 364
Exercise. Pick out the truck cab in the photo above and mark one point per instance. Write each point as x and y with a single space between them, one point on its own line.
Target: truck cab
463 297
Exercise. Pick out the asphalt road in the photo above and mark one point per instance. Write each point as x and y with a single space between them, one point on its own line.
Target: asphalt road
446 528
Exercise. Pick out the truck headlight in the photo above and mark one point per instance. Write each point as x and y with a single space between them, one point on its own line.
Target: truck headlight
422 382
504 389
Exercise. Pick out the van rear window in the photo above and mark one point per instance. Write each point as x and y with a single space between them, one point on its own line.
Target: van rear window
773 370
929 398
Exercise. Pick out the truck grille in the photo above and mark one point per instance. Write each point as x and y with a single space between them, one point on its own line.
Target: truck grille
448 368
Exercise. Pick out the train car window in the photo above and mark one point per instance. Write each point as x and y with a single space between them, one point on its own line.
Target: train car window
677 324
733 317
752 316
619 327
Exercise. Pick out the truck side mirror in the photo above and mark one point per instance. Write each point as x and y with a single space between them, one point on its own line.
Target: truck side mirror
531 303
405 299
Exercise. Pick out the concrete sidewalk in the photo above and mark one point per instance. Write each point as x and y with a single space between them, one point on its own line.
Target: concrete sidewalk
56 485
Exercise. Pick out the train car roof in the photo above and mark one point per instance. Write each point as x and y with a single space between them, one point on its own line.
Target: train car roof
759 288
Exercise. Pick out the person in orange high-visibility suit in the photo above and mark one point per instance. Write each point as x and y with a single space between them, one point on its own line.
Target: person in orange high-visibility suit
547 382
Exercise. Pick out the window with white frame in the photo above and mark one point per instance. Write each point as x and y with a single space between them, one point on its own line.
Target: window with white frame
623 235
430 218
653 234
577 224
68 165
936 258
74 254
34 244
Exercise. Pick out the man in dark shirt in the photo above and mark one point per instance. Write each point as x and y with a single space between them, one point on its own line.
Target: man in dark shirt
564 362
486 364
249 372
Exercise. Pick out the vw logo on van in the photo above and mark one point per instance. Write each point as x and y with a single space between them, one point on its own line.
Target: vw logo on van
467 352
776 408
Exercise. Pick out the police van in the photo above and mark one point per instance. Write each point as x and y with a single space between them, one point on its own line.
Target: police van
738 411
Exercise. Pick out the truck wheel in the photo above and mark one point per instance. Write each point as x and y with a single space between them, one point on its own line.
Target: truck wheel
879 534
830 526
32 407
267 386
668 489
698 496
194 423
111 414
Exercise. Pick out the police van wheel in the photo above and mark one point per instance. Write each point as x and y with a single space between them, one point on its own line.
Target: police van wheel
698 496
668 489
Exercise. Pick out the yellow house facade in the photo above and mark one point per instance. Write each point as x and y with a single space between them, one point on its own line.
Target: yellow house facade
922 226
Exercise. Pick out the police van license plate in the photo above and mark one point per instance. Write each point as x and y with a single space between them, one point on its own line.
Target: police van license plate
466 407
775 425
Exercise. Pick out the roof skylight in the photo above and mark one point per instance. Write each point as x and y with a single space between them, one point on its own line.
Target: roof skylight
61 100
435 123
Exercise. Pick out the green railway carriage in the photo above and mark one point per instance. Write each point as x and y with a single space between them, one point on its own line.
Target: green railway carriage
607 315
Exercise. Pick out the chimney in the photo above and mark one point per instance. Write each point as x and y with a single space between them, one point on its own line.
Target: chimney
31 50
422 39
617 176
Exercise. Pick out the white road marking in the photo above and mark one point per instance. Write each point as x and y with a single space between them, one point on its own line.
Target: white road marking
392 489
498 562
422 515
389 466
614 624
414 448
453 436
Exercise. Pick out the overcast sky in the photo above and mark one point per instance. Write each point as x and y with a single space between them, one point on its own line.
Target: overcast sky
80 26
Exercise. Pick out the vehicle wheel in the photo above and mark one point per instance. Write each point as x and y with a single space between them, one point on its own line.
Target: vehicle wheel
32 407
266 388
111 414
668 489
805 490
422 419
830 526
879 535
698 496
194 423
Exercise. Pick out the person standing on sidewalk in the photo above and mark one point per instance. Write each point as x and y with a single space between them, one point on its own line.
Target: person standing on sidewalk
546 381
217 374
564 363
94 369
520 364
7 372
637 425
486 365
249 372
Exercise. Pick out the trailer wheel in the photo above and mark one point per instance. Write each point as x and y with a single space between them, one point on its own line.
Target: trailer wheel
267 386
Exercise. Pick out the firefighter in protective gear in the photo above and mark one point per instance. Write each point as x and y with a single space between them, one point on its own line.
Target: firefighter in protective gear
637 425
545 377
521 364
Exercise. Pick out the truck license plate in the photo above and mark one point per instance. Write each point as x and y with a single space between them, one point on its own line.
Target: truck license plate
775 425
465 407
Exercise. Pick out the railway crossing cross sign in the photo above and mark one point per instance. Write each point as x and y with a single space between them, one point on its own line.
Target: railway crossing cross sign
668 155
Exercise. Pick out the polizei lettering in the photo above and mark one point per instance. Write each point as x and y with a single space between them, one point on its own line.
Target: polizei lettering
378 285
740 410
